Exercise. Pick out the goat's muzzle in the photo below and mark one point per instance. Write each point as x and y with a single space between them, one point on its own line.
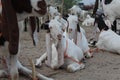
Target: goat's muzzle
70 30
59 36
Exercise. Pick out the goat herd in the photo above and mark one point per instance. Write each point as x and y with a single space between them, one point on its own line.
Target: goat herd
66 42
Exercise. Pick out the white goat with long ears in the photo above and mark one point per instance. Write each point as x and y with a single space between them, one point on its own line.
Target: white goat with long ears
68 53
78 34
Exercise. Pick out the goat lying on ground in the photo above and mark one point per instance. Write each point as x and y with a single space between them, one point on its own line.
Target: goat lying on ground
78 34
89 21
108 40
69 54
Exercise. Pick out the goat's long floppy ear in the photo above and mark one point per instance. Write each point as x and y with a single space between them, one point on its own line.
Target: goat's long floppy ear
78 27
49 49
10 27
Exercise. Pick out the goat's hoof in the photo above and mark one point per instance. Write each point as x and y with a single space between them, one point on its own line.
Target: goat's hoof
82 66
38 63
70 69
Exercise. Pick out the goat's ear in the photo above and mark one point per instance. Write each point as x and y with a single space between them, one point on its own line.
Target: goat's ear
78 27
49 49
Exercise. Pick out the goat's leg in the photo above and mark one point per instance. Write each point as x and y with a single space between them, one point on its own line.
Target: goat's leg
35 36
75 66
13 67
41 59
88 54
28 72
5 62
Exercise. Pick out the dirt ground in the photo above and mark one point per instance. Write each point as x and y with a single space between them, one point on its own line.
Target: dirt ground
103 66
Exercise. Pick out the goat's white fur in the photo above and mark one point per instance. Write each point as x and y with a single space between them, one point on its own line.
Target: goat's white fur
109 41
72 51
78 37
89 21
112 10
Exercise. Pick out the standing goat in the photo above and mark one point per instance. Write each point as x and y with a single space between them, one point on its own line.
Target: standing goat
12 12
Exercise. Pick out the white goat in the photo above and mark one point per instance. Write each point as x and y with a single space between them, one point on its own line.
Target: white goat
52 11
89 21
75 10
69 54
83 14
78 34
109 41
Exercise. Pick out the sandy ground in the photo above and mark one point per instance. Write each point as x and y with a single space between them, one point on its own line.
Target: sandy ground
103 66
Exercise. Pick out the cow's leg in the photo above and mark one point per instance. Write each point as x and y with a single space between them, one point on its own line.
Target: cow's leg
75 66
28 72
13 67
41 59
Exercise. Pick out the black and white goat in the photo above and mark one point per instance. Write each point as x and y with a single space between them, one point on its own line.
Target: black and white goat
12 12
111 10
108 40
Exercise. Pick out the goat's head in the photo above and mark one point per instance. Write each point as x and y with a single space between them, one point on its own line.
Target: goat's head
53 11
100 22
55 29
75 10
62 21
39 6
73 21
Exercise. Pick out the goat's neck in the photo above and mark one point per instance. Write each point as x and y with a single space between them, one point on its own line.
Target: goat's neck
61 44
103 4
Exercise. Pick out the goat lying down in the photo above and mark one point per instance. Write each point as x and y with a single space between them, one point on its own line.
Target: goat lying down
89 21
108 40
77 33
63 52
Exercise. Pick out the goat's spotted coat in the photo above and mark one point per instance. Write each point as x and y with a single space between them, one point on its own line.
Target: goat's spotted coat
12 12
